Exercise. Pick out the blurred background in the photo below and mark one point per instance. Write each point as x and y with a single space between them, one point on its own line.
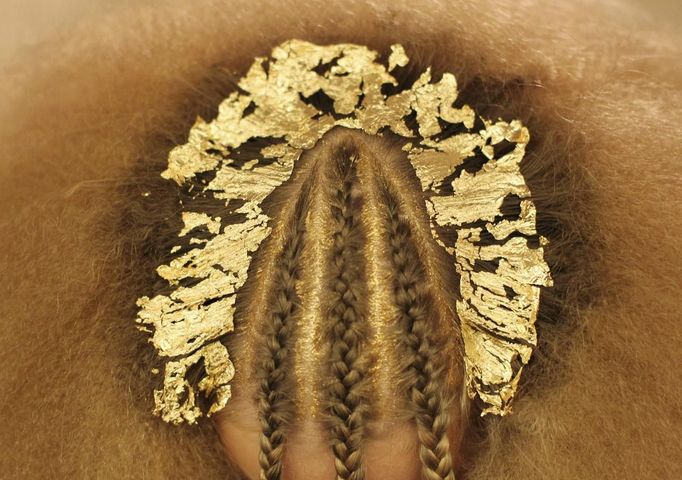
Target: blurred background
27 22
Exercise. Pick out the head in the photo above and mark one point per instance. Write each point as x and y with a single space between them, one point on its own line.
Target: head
89 119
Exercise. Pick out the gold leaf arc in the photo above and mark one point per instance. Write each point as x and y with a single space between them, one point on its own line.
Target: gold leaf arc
499 303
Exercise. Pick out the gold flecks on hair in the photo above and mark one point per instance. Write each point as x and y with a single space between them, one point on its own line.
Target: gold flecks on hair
499 256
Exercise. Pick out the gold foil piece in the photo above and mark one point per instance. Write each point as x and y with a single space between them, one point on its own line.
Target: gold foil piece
194 220
177 402
500 280
397 58
250 183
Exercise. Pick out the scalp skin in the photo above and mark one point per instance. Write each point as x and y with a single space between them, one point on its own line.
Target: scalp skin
87 122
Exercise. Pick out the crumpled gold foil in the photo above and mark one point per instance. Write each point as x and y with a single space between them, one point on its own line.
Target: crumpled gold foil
500 279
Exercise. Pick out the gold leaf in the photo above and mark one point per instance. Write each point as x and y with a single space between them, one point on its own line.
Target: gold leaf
499 302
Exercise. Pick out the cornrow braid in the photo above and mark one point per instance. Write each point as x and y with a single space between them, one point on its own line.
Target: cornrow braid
347 403
274 402
425 385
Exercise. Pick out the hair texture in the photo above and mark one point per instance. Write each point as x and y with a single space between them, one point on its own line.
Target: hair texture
343 196
347 396
420 345
88 119
274 406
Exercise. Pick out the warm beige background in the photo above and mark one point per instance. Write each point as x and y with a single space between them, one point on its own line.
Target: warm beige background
26 22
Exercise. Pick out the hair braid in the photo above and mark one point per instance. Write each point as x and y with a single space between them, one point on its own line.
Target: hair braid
425 387
348 406
274 404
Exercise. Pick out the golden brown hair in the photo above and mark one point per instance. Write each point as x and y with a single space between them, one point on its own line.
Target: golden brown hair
87 123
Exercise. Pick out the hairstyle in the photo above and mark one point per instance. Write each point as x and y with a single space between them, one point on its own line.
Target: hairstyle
88 121
362 335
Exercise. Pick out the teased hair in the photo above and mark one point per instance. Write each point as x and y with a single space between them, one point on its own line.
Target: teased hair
88 121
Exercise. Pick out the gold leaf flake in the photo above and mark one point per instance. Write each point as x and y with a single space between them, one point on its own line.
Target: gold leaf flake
249 184
499 302
193 220
177 403
397 58
433 166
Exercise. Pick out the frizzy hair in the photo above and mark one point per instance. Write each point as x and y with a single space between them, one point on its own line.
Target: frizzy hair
356 184
90 116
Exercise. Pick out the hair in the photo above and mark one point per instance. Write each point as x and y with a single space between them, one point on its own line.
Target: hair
88 120
274 406
420 344
347 398
346 194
